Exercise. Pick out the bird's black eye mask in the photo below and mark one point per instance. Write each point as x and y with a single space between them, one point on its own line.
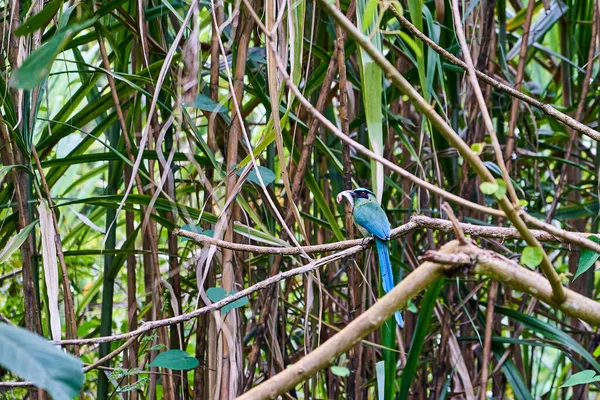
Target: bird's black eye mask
363 194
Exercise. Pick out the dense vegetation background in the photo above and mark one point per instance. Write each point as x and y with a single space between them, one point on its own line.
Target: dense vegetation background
123 121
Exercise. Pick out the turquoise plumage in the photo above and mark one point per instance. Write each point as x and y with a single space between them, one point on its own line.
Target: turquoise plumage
371 220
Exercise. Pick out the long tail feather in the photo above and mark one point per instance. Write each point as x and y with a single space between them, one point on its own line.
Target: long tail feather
387 277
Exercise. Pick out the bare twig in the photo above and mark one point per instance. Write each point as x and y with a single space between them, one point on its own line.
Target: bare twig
487 341
510 135
417 221
460 234
544 107
486 263
449 134
152 325
402 172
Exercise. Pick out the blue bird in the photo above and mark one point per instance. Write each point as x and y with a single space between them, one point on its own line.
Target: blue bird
370 219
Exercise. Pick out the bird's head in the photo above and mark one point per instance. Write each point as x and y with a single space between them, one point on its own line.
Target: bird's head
356 196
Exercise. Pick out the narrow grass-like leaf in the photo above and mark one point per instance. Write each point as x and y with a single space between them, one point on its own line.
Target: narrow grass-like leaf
15 242
587 259
40 19
421 330
550 332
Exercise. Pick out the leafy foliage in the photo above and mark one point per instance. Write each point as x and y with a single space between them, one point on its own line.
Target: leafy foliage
145 119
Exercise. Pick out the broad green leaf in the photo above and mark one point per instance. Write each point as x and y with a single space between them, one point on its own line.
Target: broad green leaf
40 19
15 242
478 148
32 358
587 259
36 67
369 13
217 294
266 174
175 359
339 371
582 378
241 302
203 102
501 191
372 81
488 187
532 256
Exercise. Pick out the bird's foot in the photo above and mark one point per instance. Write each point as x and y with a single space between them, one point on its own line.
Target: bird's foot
364 243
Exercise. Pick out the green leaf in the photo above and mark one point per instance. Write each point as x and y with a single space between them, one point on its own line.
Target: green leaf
380 374
369 13
501 191
175 359
340 371
217 294
420 333
532 256
266 174
551 332
241 302
582 378
36 67
489 187
15 242
33 358
203 102
40 19
140 384
587 259
478 147
597 352
195 229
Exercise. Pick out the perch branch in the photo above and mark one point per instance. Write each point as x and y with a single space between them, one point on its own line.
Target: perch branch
485 262
449 134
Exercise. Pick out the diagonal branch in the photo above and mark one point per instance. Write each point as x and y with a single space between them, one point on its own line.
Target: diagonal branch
486 263
416 221
545 108
449 134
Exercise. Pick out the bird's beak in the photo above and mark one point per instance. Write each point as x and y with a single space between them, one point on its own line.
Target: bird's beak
347 194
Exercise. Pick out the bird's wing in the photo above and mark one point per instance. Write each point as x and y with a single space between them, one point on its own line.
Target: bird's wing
371 217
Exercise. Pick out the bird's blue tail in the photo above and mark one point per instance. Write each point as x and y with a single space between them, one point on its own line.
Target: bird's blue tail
387 277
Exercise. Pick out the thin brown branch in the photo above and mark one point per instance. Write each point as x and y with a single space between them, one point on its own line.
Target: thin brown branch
487 119
416 221
152 325
545 108
486 263
449 134
510 135
366 323
402 172
460 234
578 114
487 341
